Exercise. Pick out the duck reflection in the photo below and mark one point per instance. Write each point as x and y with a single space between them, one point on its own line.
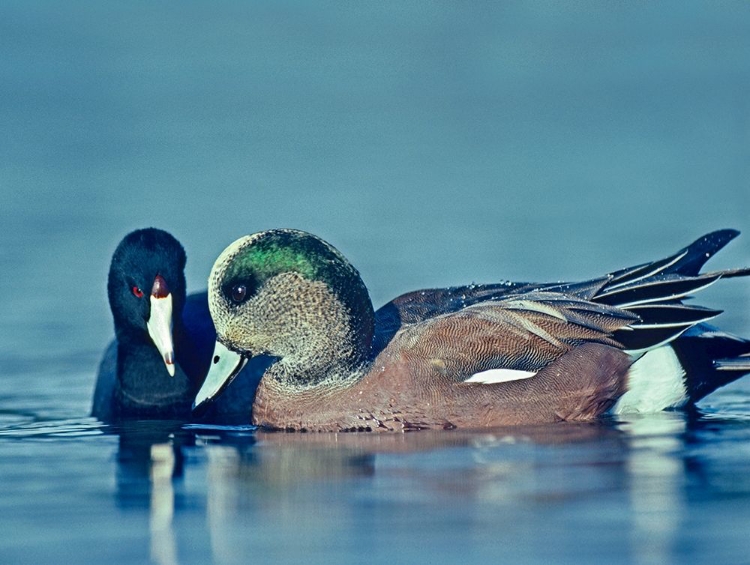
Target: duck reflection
717 453
150 459
255 489
163 543
277 495
657 480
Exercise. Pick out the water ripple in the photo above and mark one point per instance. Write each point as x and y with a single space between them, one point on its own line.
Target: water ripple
53 429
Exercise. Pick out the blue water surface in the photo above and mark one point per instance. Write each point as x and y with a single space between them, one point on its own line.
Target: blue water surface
434 143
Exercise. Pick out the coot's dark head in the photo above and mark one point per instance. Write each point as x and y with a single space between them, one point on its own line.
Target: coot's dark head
146 288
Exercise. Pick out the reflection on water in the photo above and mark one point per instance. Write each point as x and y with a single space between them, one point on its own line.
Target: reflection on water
632 490
163 543
656 485
435 146
625 490
150 458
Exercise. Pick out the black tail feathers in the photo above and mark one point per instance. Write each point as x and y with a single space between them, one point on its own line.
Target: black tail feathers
711 358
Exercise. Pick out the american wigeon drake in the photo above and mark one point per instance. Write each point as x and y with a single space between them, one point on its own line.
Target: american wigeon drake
163 338
472 356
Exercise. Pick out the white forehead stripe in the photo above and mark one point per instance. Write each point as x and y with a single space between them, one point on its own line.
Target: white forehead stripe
230 251
494 376
221 263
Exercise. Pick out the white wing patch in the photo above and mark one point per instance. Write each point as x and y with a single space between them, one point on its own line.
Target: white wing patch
494 376
656 381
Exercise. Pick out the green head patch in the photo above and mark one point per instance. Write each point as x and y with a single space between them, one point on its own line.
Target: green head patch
283 251
256 263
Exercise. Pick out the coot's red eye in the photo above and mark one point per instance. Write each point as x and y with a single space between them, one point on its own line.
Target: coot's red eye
137 292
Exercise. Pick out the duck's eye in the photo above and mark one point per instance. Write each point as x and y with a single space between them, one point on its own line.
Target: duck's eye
239 293
137 292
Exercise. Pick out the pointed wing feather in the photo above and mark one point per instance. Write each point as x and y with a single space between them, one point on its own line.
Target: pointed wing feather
741 364
654 291
660 289
641 272
671 315
686 262
651 292
524 335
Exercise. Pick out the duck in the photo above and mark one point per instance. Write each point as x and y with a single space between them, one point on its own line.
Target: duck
473 356
164 338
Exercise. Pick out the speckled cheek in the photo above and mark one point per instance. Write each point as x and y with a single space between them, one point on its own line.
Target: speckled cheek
234 332
219 318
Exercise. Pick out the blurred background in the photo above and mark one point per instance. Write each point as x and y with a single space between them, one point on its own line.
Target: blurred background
434 143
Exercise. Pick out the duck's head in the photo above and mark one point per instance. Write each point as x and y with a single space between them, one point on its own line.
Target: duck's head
290 295
146 289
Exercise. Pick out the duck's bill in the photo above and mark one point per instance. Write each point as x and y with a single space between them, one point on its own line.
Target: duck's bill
160 329
225 365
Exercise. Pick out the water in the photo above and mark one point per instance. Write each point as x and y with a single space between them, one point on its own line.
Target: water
434 144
